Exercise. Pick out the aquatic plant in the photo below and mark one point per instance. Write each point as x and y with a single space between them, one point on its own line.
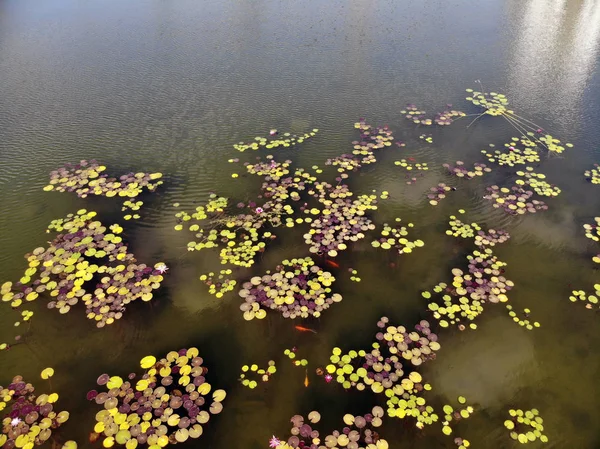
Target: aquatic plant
438 193
395 237
87 178
592 231
388 368
426 137
31 417
443 118
85 251
593 174
167 405
291 354
297 289
513 155
473 230
536 182
358 433
341 220
274 141
354 275
411 166
514 201
465 299
457 414
219 284
520 423
263 374
460 171
522 322
496 104
592 299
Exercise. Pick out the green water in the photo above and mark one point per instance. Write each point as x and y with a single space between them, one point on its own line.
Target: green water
170 86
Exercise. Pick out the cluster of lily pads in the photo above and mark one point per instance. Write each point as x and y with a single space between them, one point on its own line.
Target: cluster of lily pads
444 118
592 231
484 282
388 368
68 263
426 137
456 414
263 374
358 433
512 155
528 419
340 221
514 201
520 321
395 237
87 178
536 182
592 299
166 405
275 140
473 230
438 193
593 174
496 104
31 417
297 289
412 167
219 284
353 275
291 354
459 170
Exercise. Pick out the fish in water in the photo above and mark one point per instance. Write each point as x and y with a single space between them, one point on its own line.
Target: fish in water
305 329
332 263
306 382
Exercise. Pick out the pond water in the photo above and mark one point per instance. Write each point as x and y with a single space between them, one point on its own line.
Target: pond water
170 85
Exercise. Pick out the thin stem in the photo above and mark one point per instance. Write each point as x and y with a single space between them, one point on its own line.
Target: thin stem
475 119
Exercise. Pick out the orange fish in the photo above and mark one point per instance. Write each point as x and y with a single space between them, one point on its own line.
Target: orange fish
333 264
305 329
306 382
412 159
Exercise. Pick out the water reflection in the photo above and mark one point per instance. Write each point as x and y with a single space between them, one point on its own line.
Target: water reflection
554 53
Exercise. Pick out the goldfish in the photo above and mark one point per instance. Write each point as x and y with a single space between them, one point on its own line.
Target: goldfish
332 263
306 382
305 329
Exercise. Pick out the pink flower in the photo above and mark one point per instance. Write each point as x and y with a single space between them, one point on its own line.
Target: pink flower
328 378
259 210
274 441
162 268
272 132
15 422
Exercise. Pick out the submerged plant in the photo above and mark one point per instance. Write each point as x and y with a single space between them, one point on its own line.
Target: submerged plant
526 426
85 251
31 417
297 289
395 237
167 405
